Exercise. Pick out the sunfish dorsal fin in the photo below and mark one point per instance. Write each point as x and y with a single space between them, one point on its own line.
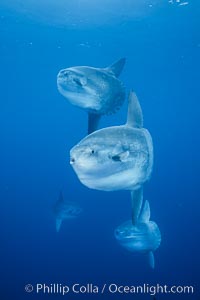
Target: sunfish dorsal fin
93 121
117 67
134 116
145 213
151 260
58 224
136 201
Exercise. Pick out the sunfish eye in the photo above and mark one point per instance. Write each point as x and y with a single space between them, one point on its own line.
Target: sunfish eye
77 81
92 151
117 232
80 81
65 73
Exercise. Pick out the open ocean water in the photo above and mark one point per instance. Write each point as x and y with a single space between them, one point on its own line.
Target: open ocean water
161 42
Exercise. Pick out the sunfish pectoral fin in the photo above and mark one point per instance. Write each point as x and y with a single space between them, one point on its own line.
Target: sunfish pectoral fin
58 224
121 156
134 116
151 260
93 121
136 201
145 213
117 67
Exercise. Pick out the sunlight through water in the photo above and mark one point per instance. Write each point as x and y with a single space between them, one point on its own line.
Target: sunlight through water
81 13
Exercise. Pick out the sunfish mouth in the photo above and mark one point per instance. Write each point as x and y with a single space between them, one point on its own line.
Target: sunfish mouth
72 161
130 235
134 235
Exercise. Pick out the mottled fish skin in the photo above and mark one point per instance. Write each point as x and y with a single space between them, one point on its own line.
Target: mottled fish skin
114 158
96 90
117 157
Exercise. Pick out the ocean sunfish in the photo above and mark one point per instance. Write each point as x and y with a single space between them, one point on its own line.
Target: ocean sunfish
96 90
118 157
65 210
143 237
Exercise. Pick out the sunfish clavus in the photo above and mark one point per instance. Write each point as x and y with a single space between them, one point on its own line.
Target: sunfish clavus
143 237
118 157
96 90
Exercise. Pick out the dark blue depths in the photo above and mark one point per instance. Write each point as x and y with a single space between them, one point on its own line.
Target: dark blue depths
39 127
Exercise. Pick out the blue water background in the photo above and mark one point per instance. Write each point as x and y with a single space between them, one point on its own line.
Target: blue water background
39 127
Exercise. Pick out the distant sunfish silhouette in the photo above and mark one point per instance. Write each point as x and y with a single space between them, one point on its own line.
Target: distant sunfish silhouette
143 237
96 90
65 210
117 158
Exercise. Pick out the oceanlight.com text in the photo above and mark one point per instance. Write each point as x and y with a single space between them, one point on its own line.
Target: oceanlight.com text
112 288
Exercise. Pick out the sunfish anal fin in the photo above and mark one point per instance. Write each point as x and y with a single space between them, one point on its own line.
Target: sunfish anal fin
151 260
136 202
145 213
58 224
93 121
134 116
117 67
